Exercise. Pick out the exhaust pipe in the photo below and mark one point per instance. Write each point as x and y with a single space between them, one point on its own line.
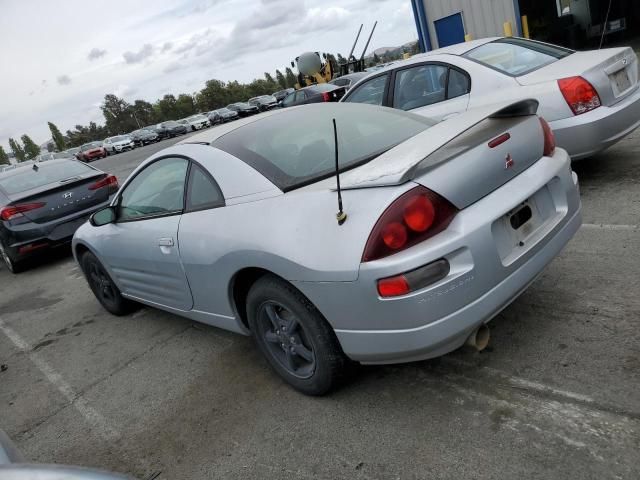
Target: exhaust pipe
479 338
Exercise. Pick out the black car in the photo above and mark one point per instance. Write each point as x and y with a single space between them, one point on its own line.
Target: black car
243 109
264 102
173 128
280 94
323 92
222 115
144 136
42 205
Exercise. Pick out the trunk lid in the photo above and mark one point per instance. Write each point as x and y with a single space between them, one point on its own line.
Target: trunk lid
613 72
454 159
64 198
64 186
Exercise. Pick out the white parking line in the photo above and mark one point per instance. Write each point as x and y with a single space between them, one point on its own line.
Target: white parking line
93 417
605 226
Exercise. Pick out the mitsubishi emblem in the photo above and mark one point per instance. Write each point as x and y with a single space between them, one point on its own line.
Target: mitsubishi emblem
508 162
67 195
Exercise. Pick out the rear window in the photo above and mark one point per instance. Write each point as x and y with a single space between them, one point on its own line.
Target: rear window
296 147
26 178
322 87
517 56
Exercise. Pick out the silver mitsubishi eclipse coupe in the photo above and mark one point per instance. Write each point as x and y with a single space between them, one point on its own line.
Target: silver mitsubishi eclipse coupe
334 233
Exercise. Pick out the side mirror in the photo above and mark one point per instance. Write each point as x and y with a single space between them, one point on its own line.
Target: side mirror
103 217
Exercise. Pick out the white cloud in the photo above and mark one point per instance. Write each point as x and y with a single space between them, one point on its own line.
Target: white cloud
64 80
96 53
136 57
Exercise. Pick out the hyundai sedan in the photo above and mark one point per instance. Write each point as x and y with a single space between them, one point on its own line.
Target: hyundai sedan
42 205
591 99
436 229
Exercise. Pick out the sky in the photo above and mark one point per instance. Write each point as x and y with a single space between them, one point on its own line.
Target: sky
60 58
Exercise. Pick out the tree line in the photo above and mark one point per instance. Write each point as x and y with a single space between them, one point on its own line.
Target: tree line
123 117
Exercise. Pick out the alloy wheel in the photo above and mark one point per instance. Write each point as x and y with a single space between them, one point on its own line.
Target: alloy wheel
286 339
101 283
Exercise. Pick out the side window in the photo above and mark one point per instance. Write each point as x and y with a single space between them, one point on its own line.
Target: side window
300 96
371 92
288 100
157 189
202 191
458 84
419 86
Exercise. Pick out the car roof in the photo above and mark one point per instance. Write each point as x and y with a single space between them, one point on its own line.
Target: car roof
457 49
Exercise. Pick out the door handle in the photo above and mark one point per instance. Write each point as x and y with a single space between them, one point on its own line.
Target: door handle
165 242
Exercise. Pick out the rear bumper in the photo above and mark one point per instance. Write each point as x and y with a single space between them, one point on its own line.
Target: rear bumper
450 333
484 276
35 238
587 134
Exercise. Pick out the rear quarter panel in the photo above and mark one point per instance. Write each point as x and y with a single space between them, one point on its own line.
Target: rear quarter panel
294 235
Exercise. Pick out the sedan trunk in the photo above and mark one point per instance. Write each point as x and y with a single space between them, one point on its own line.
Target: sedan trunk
613 72
63 198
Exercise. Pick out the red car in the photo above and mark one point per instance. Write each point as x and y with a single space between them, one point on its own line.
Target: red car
91 151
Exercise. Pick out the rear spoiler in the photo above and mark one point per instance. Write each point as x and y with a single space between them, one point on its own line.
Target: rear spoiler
518 109
398 165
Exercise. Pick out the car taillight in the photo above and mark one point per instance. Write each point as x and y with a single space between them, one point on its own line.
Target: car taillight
110 181
549 138
326 97
414 280
579 94
412 218
14 211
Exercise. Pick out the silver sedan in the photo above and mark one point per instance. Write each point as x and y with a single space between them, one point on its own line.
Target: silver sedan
591 99
437 228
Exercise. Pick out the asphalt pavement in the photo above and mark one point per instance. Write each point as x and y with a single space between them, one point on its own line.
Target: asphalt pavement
554 397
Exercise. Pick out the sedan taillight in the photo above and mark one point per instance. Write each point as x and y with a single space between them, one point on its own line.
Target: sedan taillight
579 94
326 97
110 182
413 217
14 211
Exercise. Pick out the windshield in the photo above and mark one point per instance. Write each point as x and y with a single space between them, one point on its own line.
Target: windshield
89 146
197 117
170 124
26 178
296 147
120 138
223 110
517 56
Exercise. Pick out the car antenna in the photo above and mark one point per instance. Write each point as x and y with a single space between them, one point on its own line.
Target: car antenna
340 216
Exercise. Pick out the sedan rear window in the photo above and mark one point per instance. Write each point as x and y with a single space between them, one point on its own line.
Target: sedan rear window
26 178
517 56
296 147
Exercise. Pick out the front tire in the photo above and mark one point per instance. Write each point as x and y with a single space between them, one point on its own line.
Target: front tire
103 286
294 337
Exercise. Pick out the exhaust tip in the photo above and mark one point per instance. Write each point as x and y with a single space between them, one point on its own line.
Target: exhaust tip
479 338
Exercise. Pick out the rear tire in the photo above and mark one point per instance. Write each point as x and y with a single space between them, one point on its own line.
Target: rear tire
103 286
294 337
10 263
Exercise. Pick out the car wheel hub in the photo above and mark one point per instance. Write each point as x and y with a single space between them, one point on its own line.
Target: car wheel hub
286 340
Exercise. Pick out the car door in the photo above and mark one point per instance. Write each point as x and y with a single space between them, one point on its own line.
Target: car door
435 90
141 248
